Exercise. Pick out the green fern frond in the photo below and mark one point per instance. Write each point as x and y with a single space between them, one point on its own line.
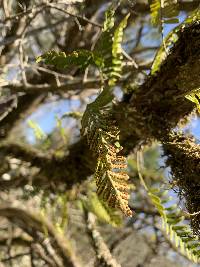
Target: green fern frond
163 11
109 48
171 38
161 54
109 21
101 210
107 55
97 122
117 55
103 139
195 98
39 133
81 58
155 8
179 233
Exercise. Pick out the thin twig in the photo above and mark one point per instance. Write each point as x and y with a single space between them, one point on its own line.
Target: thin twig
104 255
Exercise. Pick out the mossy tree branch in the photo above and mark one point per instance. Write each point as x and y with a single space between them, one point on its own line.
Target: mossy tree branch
159 104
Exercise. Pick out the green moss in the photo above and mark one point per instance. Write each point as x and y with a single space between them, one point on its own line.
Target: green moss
184 159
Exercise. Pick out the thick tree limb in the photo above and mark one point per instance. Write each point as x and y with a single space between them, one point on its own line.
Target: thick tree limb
159 104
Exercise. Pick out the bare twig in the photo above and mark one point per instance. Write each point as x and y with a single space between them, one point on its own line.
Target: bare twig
75 84
104 255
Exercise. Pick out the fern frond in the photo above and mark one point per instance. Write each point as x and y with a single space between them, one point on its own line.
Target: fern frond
39 133
99 126
171 38
81 58
195 98
107 55
117 56
179 233
163 11
97 122
109 20
161 54
109 48
103 139
155 8
103 212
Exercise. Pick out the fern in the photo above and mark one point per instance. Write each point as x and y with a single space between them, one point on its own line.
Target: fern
173 223
155 8
109 48
107 55
161 55
195 98
178 233
81 58
103 139
38 132
99 126
97 122
171 38
101 210
163 11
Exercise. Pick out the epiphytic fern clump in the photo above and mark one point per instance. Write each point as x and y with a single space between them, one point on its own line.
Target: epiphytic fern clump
99 126
97 122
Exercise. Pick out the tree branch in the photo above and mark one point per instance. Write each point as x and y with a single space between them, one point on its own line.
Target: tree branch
159 104
104 255
65 87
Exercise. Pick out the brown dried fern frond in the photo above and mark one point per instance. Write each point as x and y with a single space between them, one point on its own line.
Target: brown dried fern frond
110 174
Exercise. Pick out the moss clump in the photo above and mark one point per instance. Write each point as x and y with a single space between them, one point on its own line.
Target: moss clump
183 156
